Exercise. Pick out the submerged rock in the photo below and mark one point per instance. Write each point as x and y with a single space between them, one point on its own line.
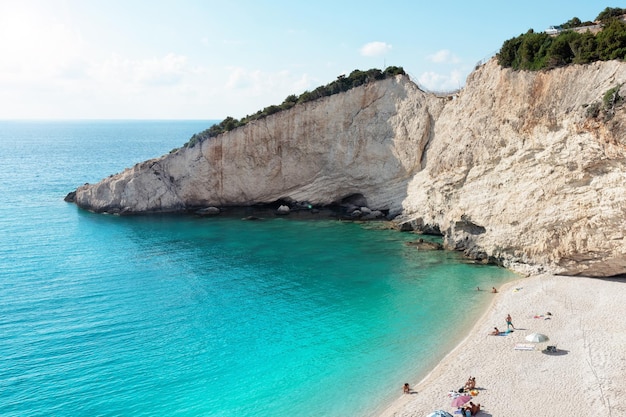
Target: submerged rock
208 211
425 245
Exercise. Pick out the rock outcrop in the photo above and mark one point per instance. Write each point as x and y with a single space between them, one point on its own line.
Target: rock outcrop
520 173
518 169
368 141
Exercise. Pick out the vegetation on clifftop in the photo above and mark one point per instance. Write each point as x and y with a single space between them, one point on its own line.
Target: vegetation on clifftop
540 50
570 44
341 84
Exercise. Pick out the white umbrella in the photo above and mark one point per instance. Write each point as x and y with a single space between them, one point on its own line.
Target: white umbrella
537 338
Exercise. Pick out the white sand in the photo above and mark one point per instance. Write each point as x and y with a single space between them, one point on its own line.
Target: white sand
586 378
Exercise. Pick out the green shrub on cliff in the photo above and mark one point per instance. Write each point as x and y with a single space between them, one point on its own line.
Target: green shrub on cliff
612 98
535 51
610 13
610 101
341 84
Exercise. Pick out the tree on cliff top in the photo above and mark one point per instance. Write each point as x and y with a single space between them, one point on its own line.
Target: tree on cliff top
610 13
535 51
341 84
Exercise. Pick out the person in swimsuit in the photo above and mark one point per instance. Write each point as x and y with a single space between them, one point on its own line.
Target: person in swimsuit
509 322
466 387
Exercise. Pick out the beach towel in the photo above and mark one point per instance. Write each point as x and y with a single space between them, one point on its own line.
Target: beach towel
524 346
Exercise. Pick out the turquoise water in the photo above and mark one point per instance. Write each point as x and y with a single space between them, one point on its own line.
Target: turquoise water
187 316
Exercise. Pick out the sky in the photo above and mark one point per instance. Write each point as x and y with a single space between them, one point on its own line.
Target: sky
206 60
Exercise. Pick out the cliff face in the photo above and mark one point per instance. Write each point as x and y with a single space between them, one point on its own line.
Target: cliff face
519 172
513 170
368 141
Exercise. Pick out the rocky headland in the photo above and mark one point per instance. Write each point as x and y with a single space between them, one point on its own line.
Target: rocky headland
523 169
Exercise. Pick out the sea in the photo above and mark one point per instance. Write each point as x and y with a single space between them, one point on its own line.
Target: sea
182 315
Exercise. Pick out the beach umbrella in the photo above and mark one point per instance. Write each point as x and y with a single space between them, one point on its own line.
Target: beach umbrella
439 413
537 338
460 400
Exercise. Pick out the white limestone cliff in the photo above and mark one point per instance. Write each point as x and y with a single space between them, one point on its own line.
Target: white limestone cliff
513 170
519 172
368 140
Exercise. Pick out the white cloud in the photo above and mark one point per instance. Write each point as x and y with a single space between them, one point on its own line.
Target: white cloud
166 70
46 61
240 78
258 82
49 69
443 56
375 49
438 82
36 47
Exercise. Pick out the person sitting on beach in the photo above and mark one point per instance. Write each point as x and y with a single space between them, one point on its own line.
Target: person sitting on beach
466 411
493 290
474 408
470 384
495 332
407 389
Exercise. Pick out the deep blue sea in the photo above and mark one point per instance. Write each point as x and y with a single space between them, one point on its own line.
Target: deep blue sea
185 316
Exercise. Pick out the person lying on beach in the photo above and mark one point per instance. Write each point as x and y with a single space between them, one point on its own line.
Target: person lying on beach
495 332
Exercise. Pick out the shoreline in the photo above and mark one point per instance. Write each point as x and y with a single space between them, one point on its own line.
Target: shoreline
585 377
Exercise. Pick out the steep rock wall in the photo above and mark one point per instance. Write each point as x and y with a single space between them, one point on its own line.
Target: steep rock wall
513 170
368 141
519 173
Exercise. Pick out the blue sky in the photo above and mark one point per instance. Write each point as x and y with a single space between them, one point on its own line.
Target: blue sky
204 59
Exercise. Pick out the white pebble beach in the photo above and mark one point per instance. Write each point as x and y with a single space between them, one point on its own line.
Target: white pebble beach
585 377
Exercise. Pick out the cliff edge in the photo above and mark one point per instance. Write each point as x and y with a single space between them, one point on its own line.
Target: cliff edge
524 169
368 141
521 170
